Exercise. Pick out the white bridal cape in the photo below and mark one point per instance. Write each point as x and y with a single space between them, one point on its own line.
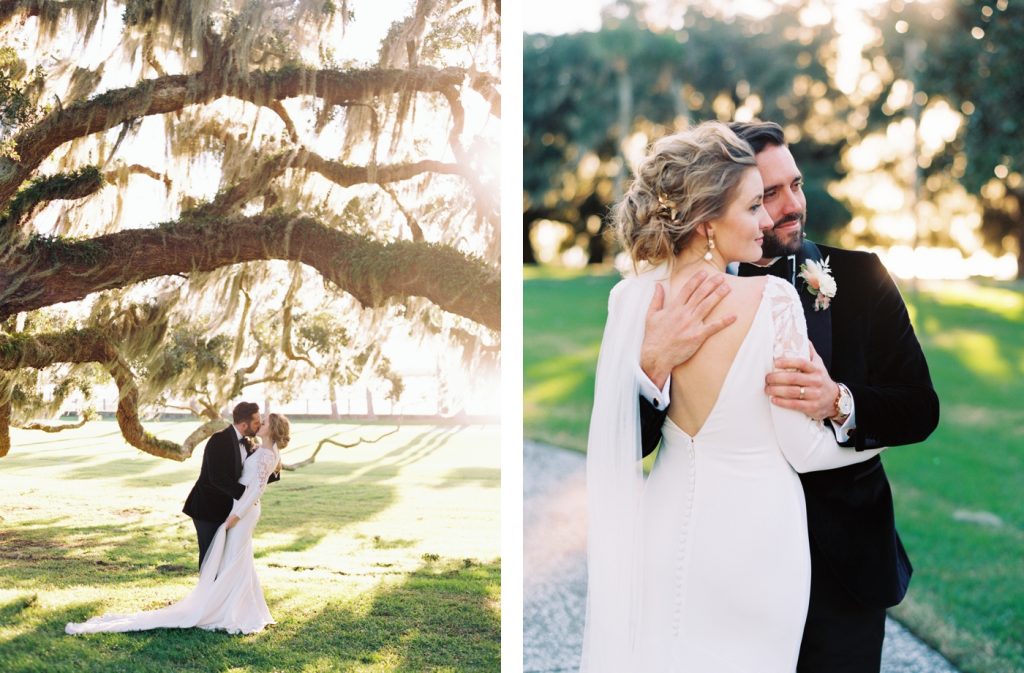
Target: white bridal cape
228 596
705 565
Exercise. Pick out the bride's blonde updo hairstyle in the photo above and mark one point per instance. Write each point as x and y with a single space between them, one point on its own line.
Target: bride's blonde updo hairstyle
280 430
687 178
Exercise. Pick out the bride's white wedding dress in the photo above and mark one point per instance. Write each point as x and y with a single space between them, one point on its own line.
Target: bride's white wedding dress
721 580
228 596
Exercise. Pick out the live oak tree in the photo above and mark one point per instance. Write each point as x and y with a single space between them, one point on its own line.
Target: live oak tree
188 188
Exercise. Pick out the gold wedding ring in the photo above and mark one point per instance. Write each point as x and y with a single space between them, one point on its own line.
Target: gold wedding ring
802 392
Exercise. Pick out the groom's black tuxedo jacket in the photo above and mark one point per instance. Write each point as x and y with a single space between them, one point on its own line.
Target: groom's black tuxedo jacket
867 342
217 486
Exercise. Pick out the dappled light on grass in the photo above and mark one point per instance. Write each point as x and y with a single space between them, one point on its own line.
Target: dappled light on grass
559 384
381 557
977 325
563 318
1002 302
978 352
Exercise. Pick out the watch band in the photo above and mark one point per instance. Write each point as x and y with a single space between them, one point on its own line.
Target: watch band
837 413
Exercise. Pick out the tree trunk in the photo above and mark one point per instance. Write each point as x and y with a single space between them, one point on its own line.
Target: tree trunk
5 427
332 394
369 405
596 248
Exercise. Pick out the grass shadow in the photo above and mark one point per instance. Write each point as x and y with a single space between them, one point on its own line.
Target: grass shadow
472 476
442 617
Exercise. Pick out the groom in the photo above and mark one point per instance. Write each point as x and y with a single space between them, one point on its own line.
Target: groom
868 378
210 501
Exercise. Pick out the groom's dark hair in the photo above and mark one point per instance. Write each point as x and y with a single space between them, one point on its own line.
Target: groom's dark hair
243 411
759 134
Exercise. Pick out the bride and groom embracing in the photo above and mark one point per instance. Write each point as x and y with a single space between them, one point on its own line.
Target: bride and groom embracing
763 539
225 506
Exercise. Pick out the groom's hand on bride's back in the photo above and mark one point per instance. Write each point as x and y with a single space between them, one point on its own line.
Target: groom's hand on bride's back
676 329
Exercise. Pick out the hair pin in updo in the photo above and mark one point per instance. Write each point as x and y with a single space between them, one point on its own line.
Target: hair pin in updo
670 206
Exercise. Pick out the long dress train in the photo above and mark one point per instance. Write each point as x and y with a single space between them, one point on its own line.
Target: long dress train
228 595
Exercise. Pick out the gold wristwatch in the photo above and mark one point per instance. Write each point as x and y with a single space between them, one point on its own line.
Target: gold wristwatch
843 404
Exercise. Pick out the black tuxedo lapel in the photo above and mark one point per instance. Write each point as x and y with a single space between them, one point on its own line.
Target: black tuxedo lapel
237 451
819 323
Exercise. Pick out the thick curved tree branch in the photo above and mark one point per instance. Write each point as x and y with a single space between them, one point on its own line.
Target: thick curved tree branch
371 271
62 186
289 125
347 175
80 346
174 92
203 432
286 324
341 174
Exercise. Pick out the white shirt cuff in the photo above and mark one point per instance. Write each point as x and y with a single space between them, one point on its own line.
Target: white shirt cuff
843 431
650 392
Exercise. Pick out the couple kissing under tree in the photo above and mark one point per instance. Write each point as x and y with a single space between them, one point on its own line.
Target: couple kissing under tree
225 506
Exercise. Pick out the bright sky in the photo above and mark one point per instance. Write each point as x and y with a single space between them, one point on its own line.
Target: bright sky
543 16
369 26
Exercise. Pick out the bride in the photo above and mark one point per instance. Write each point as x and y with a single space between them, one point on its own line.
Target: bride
228 596
705 564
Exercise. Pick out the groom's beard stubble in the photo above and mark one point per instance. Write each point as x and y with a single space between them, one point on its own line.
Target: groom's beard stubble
780 244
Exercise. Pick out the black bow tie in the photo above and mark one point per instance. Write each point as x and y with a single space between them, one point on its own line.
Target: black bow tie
781 268
246 444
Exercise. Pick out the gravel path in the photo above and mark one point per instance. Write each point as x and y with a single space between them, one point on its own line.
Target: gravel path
554 582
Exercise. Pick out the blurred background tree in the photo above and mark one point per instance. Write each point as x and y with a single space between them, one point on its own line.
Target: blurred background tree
971 57
902 134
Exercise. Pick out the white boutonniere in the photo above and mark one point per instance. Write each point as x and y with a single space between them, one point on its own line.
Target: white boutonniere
820 282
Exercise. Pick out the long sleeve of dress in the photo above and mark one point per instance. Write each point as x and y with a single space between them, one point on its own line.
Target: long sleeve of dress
267 461
807 444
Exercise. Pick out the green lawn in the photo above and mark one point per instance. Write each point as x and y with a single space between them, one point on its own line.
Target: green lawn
959 503
382 557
